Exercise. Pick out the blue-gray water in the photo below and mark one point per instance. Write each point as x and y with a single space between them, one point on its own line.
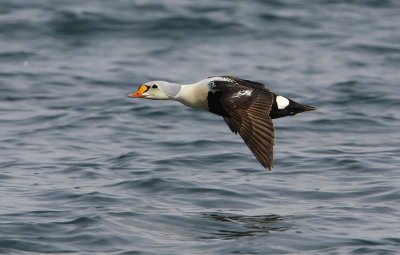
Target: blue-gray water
86 170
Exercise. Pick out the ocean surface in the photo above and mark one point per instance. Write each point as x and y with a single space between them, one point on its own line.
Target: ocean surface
86 170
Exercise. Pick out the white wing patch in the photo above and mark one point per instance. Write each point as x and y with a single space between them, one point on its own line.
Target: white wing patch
282 102
242 93
218 78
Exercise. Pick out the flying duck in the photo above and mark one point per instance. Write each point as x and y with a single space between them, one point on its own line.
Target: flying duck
247 107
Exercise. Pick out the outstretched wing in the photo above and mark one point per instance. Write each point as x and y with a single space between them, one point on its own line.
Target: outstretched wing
247 109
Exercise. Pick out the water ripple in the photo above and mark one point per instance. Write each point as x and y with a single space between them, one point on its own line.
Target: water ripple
87 170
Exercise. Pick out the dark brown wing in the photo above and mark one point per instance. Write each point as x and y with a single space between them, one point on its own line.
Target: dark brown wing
254 84
248 110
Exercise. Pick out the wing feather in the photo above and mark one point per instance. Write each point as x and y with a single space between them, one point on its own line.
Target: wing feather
249 116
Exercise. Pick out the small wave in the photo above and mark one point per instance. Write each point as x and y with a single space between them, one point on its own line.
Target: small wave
241 226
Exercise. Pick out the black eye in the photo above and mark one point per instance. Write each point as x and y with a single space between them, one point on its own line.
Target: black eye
154 86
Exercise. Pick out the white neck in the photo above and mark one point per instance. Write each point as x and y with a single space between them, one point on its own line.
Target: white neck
194 95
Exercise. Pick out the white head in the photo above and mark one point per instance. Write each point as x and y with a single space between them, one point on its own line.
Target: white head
158 90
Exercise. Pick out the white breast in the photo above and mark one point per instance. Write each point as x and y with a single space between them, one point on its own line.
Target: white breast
194 95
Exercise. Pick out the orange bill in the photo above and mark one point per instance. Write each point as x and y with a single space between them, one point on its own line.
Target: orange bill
139 92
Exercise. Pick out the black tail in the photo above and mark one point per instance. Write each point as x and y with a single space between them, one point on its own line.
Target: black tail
291 109
302 108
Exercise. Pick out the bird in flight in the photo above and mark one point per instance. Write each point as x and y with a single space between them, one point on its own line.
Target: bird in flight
247 107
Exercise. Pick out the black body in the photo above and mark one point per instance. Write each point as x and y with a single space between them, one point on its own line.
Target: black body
248 108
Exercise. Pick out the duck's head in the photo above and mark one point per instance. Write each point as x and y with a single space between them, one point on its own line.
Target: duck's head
158 90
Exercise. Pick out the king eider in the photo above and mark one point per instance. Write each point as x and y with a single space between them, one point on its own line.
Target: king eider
247 107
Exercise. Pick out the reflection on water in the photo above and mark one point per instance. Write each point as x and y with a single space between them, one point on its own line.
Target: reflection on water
237 226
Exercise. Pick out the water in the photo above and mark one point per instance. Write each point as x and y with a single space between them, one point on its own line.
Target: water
87 170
